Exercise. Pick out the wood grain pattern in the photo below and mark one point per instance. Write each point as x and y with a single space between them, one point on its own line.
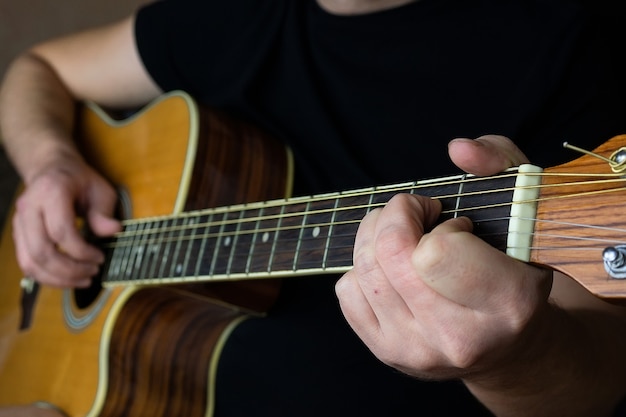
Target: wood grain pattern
579 216
144 352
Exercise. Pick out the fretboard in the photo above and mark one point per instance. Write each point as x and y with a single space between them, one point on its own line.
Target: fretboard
290 237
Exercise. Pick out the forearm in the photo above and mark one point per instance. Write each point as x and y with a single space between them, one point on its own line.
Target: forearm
573 364
36 116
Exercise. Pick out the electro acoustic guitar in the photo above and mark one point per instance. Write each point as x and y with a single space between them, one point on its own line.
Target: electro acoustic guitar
207 231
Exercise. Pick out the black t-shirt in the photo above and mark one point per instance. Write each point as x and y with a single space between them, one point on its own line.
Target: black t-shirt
370 99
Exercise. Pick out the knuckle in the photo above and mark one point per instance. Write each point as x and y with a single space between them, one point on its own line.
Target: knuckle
344 287
392 243
364 261
40 253
461 352
388 351
390 358
57 232
431 253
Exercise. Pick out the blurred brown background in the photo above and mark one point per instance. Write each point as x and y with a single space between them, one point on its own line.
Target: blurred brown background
23 23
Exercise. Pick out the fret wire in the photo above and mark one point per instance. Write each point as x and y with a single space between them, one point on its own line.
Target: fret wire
236 235
121 258
254 239
188 251
155 248
299 240
166 253
370 203
272 253
148 256
116 261
127 253
140 252
109 266
174 267
458 197
202 246
330 232
218 244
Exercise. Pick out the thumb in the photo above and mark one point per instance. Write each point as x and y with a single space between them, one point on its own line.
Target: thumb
99 215
486 155
102 224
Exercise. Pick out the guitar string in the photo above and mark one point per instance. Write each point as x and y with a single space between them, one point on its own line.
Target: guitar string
231 209
287 242
257 232
343 259
262 256
264 265
368 207
367 192
206 236
205 226
348 257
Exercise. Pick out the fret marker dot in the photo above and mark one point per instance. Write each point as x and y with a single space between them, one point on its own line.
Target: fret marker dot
316 231
227 241
179 269
266 237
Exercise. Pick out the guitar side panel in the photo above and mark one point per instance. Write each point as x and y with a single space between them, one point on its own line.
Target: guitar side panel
47 362
147 351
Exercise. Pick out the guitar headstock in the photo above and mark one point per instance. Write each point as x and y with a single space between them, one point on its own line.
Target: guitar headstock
580 228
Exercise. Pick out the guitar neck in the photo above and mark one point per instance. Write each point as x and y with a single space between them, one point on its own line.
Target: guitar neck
293 237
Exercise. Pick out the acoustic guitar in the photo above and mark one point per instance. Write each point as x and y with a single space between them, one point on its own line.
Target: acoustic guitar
209 226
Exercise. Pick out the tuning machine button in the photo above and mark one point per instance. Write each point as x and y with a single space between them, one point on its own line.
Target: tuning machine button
614 258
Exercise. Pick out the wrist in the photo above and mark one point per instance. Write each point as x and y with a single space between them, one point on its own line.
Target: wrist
57 155
551 370
530 367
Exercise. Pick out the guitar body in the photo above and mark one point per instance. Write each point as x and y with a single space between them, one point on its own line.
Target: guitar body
152 350
132 350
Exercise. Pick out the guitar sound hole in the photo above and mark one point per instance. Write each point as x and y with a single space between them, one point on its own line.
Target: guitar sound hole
84 297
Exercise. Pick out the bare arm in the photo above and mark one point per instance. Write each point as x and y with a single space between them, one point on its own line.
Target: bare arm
37 101
37 96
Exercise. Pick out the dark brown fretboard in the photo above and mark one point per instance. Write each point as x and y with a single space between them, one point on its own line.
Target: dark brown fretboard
299 236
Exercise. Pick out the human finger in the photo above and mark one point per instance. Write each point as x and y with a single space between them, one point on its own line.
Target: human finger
468 271
368 273
402 224
63 228
39 258
486 155
356 309
99 212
